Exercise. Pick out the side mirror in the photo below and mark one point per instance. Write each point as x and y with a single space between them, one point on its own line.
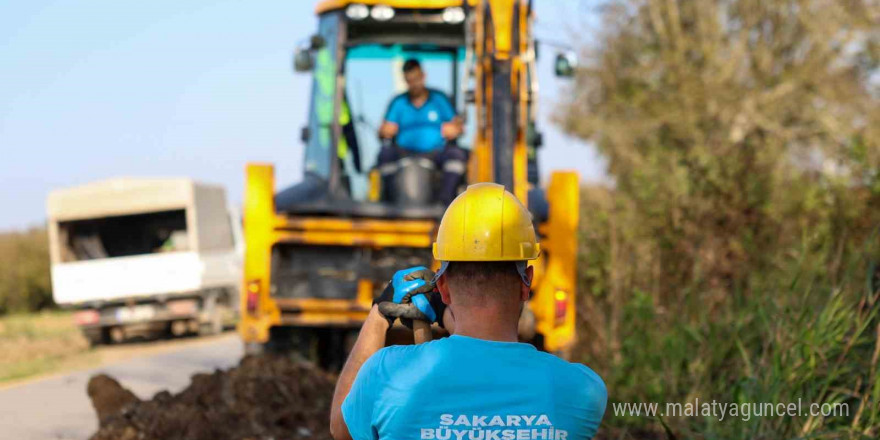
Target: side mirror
302 60
565 64
316 42
305 134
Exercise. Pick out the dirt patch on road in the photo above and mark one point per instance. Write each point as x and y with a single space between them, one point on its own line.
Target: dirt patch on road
263 397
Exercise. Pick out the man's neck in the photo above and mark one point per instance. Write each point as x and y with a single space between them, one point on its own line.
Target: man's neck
417 97
475 324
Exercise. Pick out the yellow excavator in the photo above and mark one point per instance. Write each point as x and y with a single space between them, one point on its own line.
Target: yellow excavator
317 253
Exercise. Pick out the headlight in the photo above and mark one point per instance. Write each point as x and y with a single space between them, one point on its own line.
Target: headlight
382 13
357 11
453 15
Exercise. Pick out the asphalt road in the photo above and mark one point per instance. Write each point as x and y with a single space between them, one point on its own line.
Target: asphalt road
57 407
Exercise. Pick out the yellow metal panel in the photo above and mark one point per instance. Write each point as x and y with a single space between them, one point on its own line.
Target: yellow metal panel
374 191
560 269
259 213
351 319
321 305
348 225
365 293
502 22
355 238
480 167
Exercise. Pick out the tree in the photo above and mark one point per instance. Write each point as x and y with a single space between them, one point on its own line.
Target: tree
719 118
728 260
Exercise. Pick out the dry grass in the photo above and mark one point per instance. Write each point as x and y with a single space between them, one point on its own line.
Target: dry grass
32 344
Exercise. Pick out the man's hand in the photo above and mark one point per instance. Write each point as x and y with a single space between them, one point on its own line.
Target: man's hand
413 285
388 130
409 282
425 297
452 129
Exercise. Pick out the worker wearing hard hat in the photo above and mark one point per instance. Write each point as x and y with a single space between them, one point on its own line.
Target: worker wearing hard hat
479 383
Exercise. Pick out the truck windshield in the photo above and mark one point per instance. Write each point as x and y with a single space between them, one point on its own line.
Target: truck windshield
374 77
123 236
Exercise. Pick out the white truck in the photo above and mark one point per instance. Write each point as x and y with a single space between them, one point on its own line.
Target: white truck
137 256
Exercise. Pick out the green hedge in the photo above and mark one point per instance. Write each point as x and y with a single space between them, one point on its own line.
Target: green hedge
24 271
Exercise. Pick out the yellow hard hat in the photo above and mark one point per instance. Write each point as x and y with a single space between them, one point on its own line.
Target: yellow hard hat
486 223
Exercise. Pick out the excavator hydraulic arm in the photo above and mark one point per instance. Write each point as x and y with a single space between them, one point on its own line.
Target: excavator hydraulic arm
502 50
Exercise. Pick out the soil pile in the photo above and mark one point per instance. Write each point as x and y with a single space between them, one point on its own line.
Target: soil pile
265 397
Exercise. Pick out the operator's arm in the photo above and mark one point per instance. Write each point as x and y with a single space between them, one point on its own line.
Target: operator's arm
369 341
452 129
453 125
391 123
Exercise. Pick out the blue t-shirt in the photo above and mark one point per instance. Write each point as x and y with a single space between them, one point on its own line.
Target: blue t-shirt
461 388
419 128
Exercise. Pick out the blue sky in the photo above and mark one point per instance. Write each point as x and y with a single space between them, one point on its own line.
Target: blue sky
96 89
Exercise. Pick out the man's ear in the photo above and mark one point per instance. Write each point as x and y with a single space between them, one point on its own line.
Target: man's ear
526 291
443 288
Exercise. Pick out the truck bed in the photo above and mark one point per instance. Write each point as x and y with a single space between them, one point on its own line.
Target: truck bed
118 278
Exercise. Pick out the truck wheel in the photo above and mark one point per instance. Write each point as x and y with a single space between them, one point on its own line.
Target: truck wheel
214 326
178 328
96 337
117 334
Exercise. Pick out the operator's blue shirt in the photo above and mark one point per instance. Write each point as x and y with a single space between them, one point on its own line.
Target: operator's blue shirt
419 127
461 388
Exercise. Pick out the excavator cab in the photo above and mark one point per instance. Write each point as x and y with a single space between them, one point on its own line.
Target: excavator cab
355 60
317 253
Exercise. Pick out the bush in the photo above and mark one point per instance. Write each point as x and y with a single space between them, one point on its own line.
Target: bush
25 284
792 330
733 257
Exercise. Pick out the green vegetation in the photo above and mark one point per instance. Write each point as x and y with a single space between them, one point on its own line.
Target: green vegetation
735 257
33 343
24 271
39 343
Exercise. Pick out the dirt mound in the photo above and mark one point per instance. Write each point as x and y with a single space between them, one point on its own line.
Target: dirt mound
108 396
264 397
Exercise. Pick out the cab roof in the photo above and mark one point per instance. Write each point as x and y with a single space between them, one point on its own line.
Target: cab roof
331 5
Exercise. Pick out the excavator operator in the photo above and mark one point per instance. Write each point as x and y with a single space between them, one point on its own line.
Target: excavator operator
479 383
422 121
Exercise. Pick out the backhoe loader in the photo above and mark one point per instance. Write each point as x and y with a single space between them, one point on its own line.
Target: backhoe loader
318 253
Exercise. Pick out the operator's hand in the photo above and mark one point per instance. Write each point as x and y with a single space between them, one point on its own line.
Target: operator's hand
452 129
388 130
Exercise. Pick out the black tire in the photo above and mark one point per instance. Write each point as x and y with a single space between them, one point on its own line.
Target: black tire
214 326
95 337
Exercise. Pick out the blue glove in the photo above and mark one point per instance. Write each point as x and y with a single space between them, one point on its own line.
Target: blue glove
414 286
409 283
